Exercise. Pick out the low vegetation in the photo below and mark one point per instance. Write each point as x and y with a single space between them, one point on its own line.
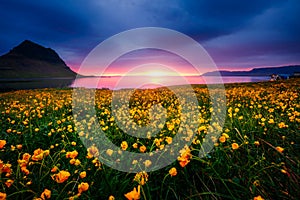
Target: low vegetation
42 154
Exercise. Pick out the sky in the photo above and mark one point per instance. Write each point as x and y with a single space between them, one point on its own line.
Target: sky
238 35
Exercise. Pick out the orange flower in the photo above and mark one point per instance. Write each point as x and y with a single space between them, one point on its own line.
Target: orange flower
2 143
54 169
183 162
173 171
279 149
185 155
46 194
235 146
2 196
72 154
133 195
26 156
61 176
258 198
9 182
124 145
143 149
5 168
39 154
82 187
82 174
25 170
222 139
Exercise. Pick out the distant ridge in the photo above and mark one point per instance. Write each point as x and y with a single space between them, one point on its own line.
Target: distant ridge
265 71
29 60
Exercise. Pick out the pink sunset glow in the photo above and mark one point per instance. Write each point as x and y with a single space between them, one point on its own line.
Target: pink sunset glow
153 62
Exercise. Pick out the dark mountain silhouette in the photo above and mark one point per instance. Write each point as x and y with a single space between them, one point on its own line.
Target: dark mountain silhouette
29 60
266 71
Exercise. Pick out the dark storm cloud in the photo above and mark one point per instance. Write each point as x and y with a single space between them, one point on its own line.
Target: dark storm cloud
270 38
42 20
233 32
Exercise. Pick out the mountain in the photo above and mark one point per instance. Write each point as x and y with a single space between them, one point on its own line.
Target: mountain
266 71
29 60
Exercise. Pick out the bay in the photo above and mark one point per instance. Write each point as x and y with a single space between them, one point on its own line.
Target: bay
119 82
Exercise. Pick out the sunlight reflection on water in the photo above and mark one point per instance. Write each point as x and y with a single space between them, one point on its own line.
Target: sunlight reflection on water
118 82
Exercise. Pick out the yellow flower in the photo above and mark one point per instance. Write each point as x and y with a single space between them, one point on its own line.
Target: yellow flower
147 163
92 152
109 152
111 197
82 187
61 176
77 162
134 162
282 125
283 171
141 178
124 145
169 140
2 143
234 146
279 149
173 171
201 128
170 127
2 196
135 145
82 174
46 194
73 143
133 195
258 198
256 183
74 161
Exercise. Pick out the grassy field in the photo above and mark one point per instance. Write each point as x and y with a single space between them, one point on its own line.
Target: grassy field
255 157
